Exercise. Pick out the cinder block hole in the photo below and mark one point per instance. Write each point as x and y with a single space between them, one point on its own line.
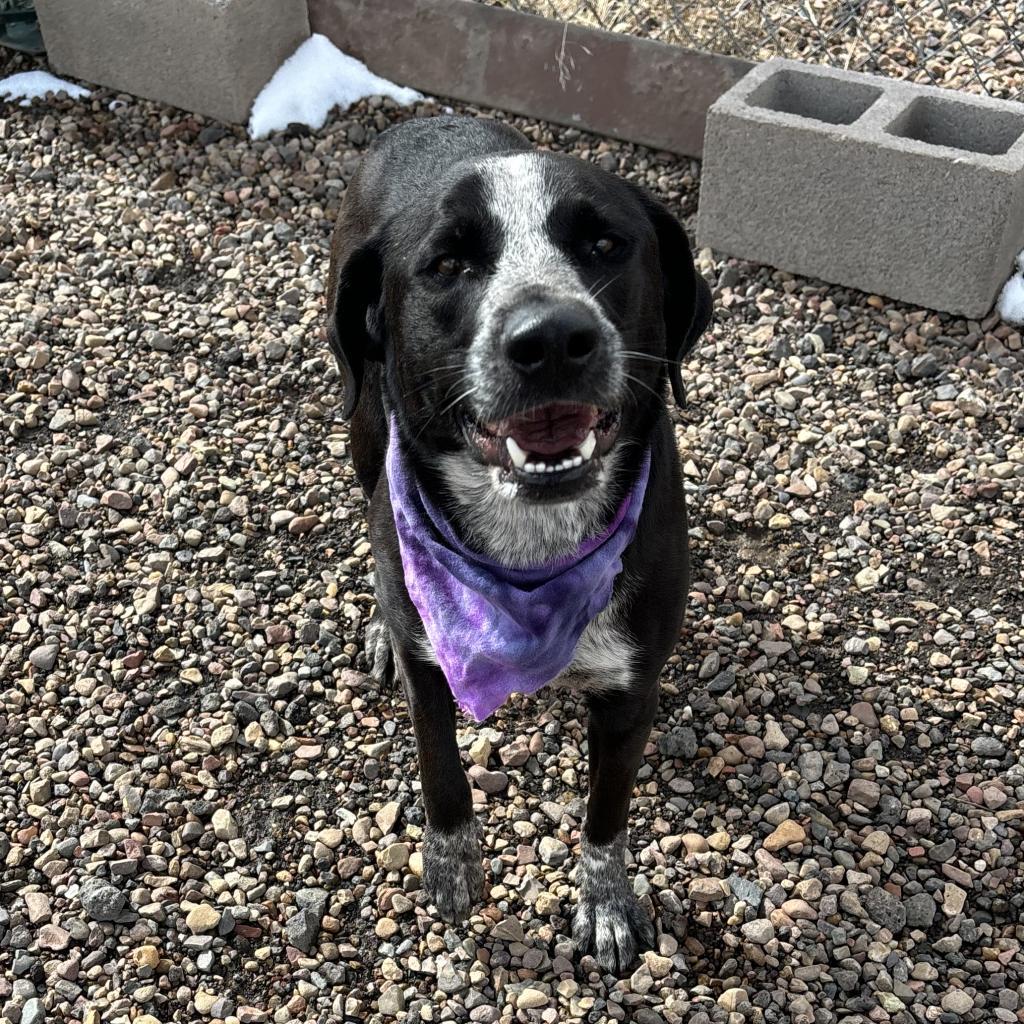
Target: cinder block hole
820 97
942 122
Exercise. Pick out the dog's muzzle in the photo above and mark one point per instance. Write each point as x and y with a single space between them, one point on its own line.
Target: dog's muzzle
557 363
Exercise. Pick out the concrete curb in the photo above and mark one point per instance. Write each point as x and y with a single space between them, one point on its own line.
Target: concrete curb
653 93
907 191
208 56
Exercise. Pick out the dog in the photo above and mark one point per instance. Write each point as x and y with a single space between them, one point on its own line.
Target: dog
505 322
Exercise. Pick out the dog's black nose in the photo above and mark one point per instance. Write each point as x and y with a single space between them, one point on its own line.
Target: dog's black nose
549 337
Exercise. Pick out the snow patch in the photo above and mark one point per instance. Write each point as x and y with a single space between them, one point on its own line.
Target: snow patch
1011 299
313 80
29 85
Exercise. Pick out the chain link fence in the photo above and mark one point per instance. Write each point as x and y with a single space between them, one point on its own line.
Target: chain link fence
976 45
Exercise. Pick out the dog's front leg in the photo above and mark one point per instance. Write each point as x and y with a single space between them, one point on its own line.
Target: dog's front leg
452 871
609 921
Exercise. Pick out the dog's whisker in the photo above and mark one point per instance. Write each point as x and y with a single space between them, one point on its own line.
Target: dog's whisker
451 405
436 378
606 284
648 356
640 383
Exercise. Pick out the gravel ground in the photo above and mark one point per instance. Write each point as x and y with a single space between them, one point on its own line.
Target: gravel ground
973 45
209 813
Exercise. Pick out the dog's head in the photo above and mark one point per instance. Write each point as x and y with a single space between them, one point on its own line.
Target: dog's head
528 308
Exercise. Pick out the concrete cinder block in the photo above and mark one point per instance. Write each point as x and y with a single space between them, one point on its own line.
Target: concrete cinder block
907 191
208 56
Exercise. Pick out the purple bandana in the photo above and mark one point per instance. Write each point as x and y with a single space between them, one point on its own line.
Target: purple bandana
498 630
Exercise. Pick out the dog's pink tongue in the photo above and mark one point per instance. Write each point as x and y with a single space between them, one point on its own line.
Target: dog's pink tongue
552 428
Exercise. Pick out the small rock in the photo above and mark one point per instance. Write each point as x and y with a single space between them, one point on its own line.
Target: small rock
37 904
531 999
733 998
32 1012
552 852
706 890
387 817
516 753
302 929
680 742
865 714
787 833
480 751
489 782
205 1002
51 936
509 929
759 931
864 792
877 842
101 900
953 899
920 910
332 838
774 737
394 857
120 500
942 512
202 918
924 365
694 842
224 826
392 1001
885 909
44 658
957 1001
988 746
147 956
163 182
449 980
867 579
303 524
746 889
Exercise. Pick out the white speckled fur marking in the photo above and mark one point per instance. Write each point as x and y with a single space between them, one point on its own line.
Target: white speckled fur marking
494 522
609 921
453 875
520 198
604 655
377 648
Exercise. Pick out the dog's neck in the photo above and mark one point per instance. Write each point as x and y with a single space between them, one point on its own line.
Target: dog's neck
495 629
490 519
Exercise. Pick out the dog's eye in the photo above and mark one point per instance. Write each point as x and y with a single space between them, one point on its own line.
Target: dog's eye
605 246
449 266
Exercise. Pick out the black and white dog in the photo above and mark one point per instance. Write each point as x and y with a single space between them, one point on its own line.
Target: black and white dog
512 316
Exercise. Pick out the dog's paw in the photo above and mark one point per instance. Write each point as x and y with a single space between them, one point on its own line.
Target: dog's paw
453 875
609 922
377 648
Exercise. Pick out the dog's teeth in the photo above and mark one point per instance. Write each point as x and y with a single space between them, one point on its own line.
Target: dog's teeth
569 462
515 453
588 446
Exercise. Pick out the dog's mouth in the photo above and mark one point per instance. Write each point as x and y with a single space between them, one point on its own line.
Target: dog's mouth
549 444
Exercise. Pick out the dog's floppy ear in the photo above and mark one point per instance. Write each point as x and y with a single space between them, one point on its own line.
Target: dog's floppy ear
355 328
687 297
